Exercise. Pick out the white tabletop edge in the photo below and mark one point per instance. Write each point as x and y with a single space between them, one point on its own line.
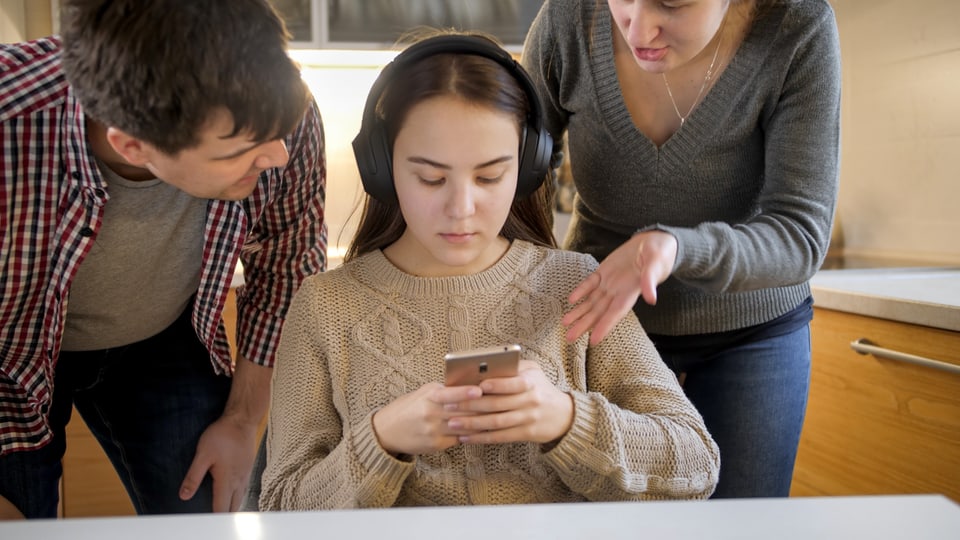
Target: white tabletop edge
918 517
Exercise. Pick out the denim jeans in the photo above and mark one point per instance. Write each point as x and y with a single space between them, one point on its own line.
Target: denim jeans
147 405
753 396
251 498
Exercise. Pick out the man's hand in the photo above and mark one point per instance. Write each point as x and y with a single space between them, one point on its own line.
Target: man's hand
226 450
608 294
228 446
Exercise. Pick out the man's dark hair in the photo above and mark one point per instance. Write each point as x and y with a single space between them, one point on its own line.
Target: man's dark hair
159 69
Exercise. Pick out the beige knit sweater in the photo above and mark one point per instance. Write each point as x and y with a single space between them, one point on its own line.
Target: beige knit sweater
361 335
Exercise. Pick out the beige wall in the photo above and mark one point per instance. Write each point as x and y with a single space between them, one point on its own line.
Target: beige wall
900 156
11 21
38 18
26 19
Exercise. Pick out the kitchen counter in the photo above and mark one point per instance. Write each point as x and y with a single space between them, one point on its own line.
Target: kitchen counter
927 296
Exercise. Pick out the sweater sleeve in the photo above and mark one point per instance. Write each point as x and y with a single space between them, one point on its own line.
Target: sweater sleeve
787 239
635 435
314 460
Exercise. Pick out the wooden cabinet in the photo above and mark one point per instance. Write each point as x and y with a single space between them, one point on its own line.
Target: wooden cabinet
90 485
879 426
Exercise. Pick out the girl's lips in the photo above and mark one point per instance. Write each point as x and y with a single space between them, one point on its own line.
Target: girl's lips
650 55
457 238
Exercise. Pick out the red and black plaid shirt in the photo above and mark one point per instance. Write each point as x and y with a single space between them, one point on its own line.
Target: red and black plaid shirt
51 206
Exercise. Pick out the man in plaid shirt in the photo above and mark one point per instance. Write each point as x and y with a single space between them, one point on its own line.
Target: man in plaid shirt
142 153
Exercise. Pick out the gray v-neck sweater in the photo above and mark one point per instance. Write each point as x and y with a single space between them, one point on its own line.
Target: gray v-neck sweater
748 185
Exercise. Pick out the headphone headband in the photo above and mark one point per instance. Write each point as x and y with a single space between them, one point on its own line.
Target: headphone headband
374 153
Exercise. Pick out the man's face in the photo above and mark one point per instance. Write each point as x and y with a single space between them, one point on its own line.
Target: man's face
220 167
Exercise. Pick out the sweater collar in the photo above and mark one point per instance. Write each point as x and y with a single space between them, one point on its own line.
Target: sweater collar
376 271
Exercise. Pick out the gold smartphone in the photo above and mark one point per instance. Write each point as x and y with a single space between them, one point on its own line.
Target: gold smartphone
471 367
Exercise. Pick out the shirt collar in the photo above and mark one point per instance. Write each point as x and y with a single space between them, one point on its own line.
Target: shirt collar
79 161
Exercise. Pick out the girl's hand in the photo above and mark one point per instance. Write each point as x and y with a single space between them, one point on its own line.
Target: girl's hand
608 294
525 408
416 423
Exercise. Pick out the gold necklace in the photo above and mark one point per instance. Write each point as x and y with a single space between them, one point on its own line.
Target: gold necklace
706 79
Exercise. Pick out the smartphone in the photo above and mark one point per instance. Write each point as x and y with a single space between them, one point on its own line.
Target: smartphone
471 367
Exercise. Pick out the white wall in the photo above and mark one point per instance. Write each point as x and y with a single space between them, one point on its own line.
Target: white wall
27 19
900 156
340 81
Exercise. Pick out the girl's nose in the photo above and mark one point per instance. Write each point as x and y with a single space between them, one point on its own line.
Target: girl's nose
460 202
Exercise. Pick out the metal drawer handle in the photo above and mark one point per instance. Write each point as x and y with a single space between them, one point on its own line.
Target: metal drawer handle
865 346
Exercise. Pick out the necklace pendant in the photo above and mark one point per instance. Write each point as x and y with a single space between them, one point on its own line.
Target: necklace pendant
706 79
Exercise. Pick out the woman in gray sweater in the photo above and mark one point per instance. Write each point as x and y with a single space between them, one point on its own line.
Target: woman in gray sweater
703 139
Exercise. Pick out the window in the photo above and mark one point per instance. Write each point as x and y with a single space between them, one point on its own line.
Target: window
369 24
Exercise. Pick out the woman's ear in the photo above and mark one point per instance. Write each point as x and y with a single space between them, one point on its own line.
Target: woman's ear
135 151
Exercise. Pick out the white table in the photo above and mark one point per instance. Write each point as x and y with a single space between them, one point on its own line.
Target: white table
913 517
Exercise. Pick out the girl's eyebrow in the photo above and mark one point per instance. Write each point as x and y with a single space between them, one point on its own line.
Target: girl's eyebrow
426 161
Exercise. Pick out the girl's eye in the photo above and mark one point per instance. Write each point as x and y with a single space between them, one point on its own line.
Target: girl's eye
431 181
489 180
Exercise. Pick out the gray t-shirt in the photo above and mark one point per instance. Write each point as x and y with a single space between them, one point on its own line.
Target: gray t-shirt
143 268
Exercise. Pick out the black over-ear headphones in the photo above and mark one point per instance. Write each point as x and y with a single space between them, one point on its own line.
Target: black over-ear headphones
372 149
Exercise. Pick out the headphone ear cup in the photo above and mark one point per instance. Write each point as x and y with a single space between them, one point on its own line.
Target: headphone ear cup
534 160
372 152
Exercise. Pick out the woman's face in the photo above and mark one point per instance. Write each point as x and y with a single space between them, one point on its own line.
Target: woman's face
666 34
455 168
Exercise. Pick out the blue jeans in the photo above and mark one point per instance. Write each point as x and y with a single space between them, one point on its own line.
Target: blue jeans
146 403
753 396
251 498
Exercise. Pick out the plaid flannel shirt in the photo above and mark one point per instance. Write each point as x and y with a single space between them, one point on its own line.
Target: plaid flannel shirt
52 198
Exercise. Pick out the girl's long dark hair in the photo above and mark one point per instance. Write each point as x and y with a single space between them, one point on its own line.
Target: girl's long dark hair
479 81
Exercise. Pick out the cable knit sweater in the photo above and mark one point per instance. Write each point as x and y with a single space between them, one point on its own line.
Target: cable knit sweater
359 336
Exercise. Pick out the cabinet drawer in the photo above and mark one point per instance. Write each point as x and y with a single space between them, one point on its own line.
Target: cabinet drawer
875 425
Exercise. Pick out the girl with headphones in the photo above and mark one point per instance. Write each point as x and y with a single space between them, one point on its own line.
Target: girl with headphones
455 252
